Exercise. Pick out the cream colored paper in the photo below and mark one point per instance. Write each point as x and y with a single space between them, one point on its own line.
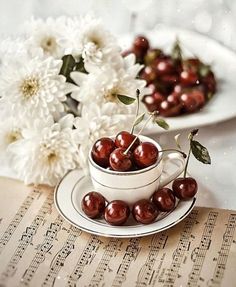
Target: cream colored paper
39 248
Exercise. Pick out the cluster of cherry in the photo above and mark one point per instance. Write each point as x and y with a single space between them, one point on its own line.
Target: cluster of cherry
178 85
144 211
127 153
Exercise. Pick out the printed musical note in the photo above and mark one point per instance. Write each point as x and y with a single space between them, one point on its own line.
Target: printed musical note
17 219
224 251
181 249
201 250
102 267
26 239
130 254
47 251
87 253
60 258
43 249
158 242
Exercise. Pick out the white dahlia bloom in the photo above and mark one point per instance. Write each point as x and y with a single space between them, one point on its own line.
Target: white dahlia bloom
96 122
46 152
33 88
10 132
88 38
105 84
46 35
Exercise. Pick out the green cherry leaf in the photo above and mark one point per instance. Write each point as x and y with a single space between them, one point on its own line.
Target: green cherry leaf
79 66
68 64
204 70
176 53
200 152
125 99
139 119
162 123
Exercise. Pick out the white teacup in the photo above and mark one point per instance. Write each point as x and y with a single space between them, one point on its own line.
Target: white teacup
132 186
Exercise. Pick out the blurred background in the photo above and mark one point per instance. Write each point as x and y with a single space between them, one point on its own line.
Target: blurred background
215 18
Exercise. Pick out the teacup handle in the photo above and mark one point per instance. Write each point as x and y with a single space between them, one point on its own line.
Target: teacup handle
175 159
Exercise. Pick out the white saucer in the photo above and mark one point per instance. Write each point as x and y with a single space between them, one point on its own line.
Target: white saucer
72 188
222 106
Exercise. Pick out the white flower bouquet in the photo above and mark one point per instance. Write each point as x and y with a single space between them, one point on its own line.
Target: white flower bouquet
59 84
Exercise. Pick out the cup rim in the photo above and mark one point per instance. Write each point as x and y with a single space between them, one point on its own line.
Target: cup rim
114 172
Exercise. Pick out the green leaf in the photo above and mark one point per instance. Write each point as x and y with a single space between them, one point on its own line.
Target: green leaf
79 66
139 120
209 96
204 70
200 152
125 99
162 123
67 66
176 53
177 141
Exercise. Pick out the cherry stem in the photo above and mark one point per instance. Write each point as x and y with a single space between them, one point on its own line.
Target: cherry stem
187 161
177 150
145 124
137 111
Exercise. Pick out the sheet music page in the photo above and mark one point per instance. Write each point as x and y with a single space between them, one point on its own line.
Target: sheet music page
39 248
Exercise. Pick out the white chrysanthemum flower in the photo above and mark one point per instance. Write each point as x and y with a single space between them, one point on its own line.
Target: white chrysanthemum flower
33 88
10 132
88 38
105 84
46 35
96 122
46 152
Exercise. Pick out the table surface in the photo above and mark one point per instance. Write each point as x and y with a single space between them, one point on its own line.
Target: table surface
217 182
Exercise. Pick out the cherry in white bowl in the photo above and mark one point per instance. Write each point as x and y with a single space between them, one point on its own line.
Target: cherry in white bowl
131 186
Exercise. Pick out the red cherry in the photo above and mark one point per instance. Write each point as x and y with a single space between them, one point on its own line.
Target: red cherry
124 139
117 212
189 103
192 64
101 151
93 204
153 101
164 199
152 87
145 154
169 109
140 46
184 188
144 211
148 74
120 161
178 89
164 66
173 98
188 78
199 97
209 82
170 79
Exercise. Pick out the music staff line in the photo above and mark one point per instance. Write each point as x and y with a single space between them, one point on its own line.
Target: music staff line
223 253
26 239
199 253
43 249
90 248
17 218
60 258
182 248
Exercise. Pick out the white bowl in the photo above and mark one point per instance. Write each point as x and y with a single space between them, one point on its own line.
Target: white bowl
132 186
